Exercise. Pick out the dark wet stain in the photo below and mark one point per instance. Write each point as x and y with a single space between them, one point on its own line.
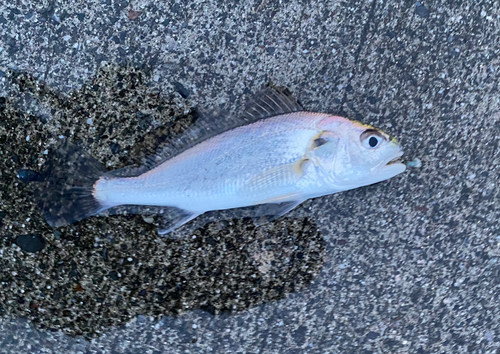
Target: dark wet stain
226 270
107 270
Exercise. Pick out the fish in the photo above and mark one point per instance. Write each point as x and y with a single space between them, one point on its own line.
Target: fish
277 157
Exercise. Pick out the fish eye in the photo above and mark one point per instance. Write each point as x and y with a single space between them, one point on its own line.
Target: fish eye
371 139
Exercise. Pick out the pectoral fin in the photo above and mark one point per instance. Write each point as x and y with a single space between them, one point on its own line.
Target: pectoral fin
276 177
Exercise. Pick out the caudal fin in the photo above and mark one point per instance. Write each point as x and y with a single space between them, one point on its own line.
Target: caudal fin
66 194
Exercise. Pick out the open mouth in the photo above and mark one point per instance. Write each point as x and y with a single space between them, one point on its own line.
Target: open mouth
394 160
388 168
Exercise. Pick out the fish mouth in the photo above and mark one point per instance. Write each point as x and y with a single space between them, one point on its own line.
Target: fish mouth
390 167
386 169
394 160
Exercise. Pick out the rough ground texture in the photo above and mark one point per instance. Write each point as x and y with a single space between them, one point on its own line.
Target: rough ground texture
405 266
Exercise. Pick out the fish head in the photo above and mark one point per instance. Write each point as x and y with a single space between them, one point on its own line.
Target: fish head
356 154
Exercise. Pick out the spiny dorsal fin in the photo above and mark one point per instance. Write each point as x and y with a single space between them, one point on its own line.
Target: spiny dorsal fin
269 102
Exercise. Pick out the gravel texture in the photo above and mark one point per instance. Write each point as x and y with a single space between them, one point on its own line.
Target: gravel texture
405 266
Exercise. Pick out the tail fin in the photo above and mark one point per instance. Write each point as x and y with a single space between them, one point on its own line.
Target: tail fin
66 196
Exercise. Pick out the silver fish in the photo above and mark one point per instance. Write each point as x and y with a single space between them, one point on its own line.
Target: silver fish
285 157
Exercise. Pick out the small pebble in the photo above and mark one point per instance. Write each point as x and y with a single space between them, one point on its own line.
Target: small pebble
27 176
184 92
421 10
57 234
133 14
372 335
115 148
31 243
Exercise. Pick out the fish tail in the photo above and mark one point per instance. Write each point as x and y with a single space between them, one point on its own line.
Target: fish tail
67 194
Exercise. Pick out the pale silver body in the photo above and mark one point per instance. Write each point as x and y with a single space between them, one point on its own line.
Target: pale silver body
286 158
234 169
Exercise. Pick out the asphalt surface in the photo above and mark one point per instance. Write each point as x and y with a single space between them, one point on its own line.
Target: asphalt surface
405 266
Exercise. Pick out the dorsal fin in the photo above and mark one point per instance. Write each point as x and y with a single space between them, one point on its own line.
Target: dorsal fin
269 102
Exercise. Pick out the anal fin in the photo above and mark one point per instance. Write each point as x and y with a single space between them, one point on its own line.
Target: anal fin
173 219
266 213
